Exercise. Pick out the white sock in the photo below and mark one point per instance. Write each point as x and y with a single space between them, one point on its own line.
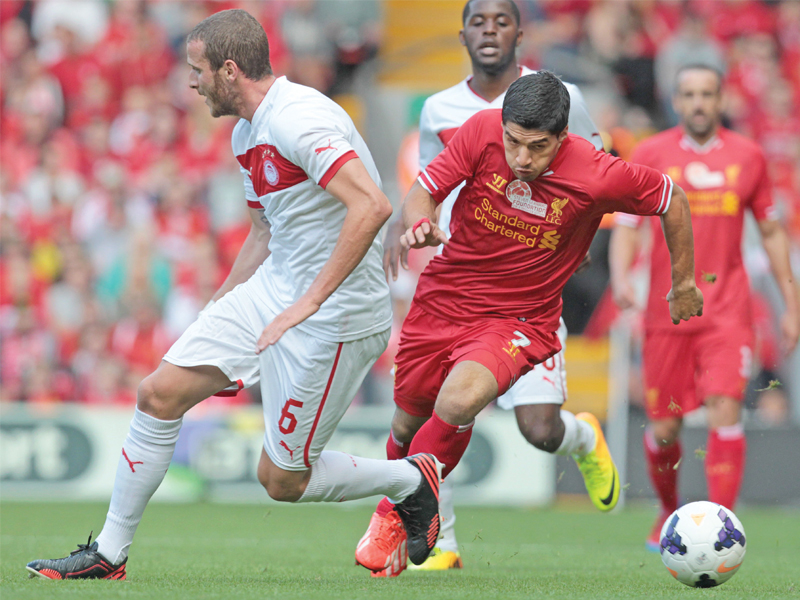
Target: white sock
142 465
337 476
447 534
578 436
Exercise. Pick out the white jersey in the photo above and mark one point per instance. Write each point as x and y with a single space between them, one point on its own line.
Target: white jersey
446 111
296 143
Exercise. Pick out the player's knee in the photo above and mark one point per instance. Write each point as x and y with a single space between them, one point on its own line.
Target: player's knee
153 399
282 489
544 435
666 432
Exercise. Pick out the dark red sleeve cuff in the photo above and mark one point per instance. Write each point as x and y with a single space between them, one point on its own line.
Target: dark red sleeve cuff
334 168
256 205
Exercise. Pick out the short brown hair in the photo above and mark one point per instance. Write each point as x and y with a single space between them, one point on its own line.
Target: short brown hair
234 35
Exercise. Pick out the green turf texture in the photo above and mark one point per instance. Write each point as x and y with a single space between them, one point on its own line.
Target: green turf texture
306 552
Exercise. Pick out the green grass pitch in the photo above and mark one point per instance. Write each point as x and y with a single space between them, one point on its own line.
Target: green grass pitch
306 552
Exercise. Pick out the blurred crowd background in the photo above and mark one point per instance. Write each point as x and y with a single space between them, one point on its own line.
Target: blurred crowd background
121 204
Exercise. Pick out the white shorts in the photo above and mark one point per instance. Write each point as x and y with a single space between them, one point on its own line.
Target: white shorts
545 384
306 383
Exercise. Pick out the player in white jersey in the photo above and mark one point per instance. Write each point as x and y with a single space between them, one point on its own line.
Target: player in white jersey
305 309
491 34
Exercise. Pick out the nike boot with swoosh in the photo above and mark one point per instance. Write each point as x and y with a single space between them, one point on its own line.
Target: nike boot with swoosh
599 471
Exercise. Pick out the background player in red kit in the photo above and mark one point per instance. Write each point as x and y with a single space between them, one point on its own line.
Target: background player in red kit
486 310
708 360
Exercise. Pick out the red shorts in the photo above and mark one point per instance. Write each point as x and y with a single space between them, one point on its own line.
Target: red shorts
682 370
431 346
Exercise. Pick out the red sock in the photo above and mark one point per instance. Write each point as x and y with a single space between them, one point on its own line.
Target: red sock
394 451
446 442
725 460
661 465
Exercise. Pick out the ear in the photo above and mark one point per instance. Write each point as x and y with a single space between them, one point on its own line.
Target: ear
230 70
519 37
461 38
563 135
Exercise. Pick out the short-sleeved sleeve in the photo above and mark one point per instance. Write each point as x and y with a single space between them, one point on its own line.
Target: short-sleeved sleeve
580 123
637 189
429 143
314 137
455 163
250 193
761 204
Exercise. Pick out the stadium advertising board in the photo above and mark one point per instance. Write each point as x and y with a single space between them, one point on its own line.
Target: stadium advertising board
71 452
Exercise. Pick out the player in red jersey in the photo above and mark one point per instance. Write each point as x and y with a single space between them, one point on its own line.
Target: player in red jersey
708 360
486 310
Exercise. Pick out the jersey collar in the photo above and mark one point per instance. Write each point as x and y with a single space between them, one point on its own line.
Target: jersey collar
688 144
266 104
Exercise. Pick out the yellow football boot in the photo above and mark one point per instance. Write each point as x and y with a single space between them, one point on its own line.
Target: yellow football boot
599 471
439 561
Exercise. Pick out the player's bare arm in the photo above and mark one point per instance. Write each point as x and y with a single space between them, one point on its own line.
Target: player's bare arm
685 299
419 219
776 245
253 253
367 210
621 253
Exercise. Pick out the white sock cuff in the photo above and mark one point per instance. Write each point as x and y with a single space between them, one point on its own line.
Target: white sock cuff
315 487
570 433
730 432
155 430
650 440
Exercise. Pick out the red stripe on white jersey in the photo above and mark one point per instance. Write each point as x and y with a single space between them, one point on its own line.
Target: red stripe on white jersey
269 171
321 406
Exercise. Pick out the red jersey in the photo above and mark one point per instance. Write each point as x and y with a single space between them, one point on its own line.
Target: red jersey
514 244
721 179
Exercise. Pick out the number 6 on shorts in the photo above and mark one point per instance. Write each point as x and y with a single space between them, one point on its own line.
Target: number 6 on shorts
285 414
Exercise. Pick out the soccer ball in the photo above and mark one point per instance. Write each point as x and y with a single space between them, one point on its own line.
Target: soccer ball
702 544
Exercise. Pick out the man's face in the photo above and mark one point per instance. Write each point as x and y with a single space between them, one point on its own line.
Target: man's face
698 101
529 151
220 98
491 35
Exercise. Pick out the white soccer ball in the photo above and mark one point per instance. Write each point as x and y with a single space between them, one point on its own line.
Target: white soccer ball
702 544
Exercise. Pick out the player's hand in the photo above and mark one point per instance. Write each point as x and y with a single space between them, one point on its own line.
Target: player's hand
790 331
296 313
422 233
685 303
624 295
393 251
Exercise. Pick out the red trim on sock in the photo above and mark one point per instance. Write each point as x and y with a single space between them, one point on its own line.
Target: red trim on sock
725 460
321 406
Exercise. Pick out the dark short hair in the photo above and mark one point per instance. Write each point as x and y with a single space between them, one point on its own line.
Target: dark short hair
699 67
539 101
234 35
512 5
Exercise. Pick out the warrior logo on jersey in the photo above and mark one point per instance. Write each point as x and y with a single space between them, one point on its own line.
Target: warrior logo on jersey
556 205
519 194
497 183
271 172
